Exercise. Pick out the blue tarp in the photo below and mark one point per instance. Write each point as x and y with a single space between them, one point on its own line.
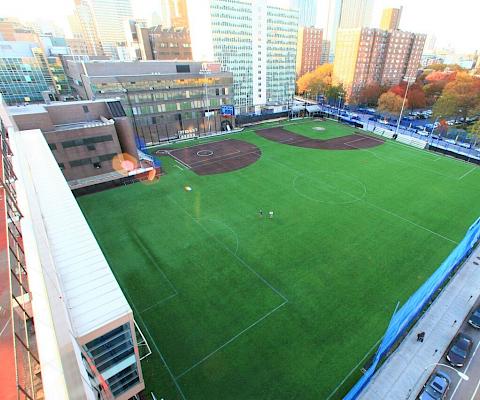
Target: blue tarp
415 304
141 148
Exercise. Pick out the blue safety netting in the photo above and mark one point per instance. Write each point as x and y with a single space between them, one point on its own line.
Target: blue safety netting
143 155
413 307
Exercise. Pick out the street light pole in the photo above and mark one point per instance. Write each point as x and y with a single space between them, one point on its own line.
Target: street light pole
463 376
204 71
403 105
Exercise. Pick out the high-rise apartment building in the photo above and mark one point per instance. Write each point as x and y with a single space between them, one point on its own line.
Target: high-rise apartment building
307 11
391 18
364 56
309 49
84 26
254 41
110 17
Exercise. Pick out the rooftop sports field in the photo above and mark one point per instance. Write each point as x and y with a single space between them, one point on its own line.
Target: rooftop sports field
237 305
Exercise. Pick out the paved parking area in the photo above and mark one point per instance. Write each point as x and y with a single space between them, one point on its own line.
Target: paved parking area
404 373
461 389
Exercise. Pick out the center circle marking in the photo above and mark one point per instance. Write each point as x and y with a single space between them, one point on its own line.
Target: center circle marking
204 153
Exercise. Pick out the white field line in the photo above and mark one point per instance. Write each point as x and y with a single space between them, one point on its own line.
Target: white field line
214 159
158 351
159 302
230 341
354 369
132 304
285 300
178 166
468 172
466 370
179 161
380 208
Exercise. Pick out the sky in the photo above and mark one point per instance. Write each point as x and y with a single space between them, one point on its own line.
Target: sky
454 23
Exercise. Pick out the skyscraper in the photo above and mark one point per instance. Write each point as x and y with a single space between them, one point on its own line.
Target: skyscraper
345 14
84 26
391 18
307 11
110 16
253 40
173 14
355 14
334 10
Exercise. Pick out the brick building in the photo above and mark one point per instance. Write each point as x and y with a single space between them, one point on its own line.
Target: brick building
309 49
364 56
84 136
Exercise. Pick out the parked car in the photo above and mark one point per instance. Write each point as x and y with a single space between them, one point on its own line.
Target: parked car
436 387
474 319
459 350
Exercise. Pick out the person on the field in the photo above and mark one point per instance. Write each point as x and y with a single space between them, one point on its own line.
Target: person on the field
260 213
270 214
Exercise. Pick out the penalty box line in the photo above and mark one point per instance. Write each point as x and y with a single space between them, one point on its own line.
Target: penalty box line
232 339
284 298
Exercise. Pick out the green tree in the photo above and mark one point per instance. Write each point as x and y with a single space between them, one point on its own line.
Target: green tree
334 92
390 102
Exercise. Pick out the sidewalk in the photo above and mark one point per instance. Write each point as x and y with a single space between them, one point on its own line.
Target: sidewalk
406 370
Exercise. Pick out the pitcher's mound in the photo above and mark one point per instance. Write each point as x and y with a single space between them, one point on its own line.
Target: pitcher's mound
319 128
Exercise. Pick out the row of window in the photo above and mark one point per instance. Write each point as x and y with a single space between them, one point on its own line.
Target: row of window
96 161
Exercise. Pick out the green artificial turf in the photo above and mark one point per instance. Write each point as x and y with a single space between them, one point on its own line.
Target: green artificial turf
235 306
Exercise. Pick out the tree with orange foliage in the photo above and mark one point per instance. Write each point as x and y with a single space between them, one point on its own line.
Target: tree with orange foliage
370 94
316 81
390 102
460 97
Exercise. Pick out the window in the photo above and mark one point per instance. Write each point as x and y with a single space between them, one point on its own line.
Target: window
183 68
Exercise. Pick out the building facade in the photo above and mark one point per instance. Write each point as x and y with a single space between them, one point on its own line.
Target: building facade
365 56
391 18
254 41
309 49
307 12
164 100
72 337
84 136
24 72
84 26
21 370
110 17
355 14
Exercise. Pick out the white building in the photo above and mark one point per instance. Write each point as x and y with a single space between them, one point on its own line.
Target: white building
253 40
84 344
